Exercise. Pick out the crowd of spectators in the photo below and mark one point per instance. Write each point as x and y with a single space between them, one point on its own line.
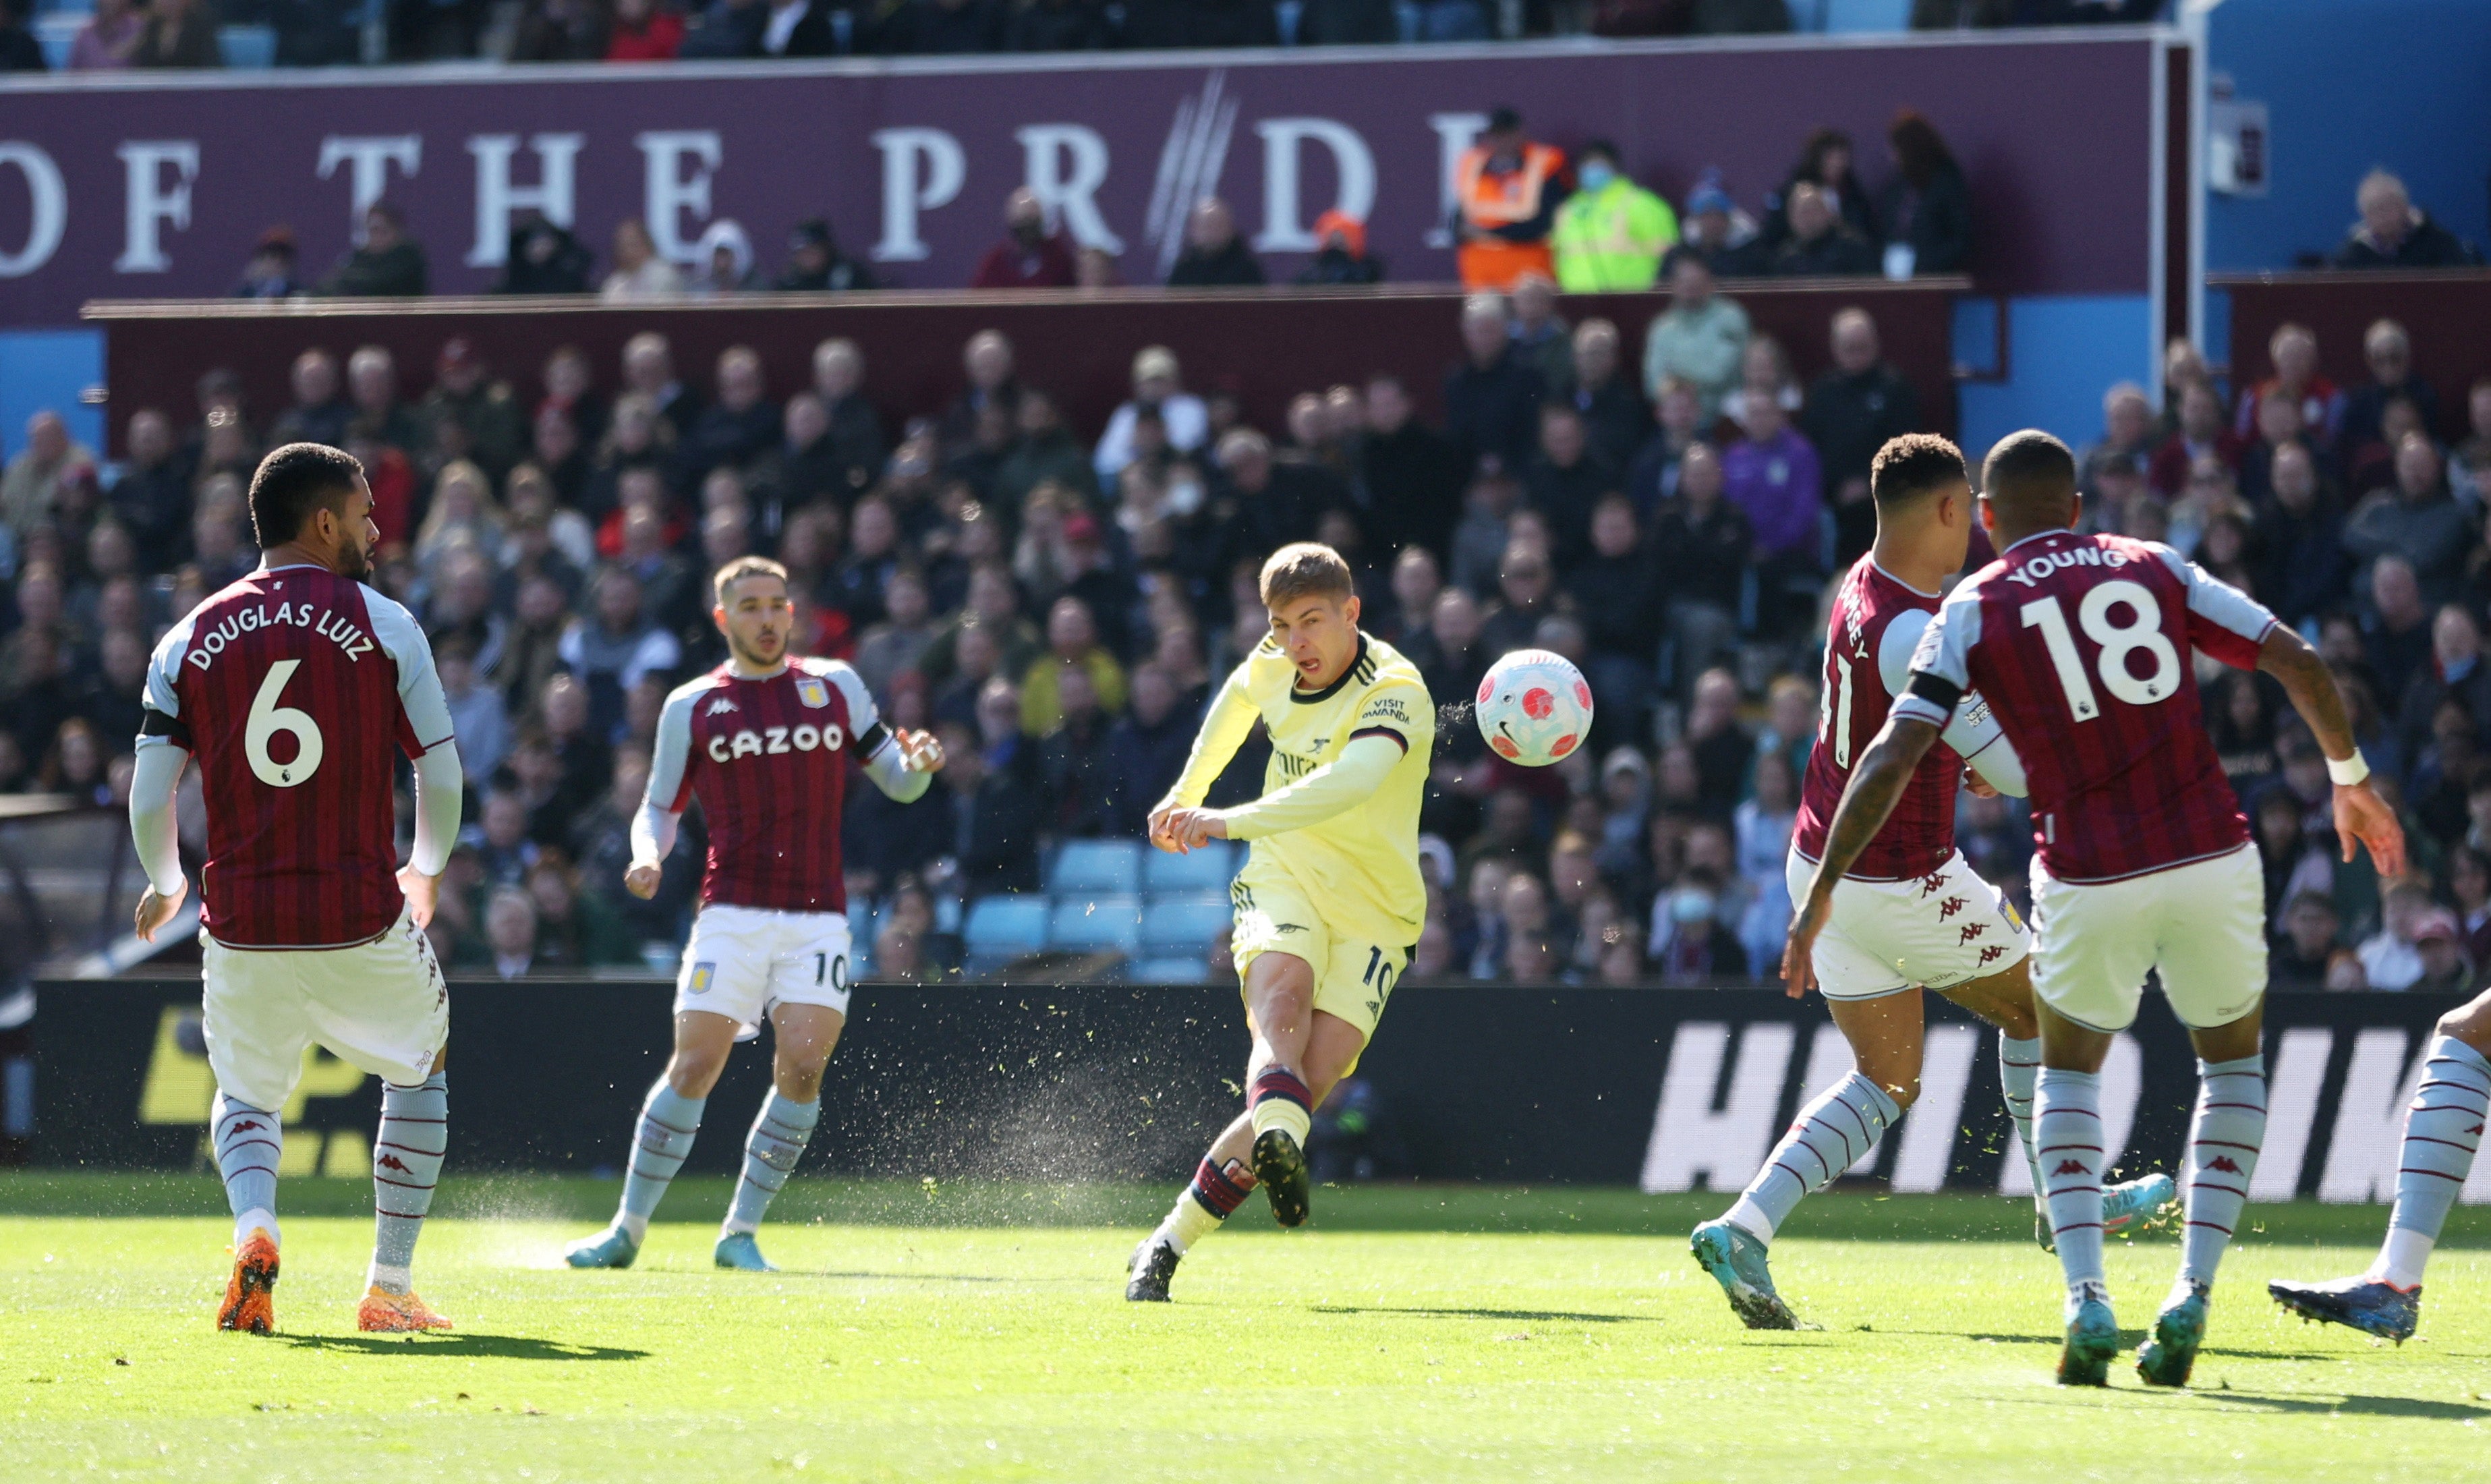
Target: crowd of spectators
2356 513
1586 226
1055 603
317 32
1664 502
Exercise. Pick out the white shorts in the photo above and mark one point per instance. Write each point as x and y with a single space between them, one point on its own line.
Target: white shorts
742 960
2202 924
381 1005
1936 931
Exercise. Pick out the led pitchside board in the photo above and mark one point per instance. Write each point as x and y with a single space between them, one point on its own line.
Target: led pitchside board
1671 1089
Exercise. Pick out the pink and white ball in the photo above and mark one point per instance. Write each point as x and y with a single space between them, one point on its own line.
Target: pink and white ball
1534 708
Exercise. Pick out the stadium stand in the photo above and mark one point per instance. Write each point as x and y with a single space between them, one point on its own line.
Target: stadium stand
552 31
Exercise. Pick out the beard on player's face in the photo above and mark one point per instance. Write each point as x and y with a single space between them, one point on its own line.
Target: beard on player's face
354 559
759 645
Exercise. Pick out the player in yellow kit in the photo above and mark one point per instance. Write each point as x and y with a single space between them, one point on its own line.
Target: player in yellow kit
1331 901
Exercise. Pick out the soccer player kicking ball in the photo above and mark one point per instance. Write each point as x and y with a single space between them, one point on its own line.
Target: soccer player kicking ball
764 740
2443 1130
1909 913
1330 904
2079 643
293 689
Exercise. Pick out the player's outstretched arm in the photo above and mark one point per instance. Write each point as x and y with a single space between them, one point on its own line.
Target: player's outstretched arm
1882 773
904 766
1225 730
2361 814
154 830
1341 784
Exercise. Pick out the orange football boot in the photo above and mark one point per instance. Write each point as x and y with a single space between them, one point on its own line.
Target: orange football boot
382 1312
249 1303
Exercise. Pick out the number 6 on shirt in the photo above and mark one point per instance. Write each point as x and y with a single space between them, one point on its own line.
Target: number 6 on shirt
267 718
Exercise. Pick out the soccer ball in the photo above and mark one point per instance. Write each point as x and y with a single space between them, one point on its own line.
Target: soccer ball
1534 708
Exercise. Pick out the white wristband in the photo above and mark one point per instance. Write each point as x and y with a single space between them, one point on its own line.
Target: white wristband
2353 769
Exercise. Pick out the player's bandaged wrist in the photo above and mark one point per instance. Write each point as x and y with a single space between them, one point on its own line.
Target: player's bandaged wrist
2349 772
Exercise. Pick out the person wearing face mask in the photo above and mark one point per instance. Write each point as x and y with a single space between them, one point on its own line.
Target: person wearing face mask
1689 943
1029 256
1611 232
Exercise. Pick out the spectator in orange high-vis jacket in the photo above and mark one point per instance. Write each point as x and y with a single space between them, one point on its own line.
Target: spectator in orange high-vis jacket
1506 192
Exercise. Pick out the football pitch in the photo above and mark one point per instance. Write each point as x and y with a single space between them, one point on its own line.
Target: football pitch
980 1332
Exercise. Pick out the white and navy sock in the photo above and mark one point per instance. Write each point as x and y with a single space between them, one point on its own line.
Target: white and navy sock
780 1134
668 1122
2019 1064
406 1166
1209 1198
2223 1142
2442 1129
2067 1140
1280 1100
1830 1136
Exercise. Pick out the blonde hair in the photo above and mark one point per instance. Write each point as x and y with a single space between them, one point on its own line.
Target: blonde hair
1305 569
438 522
742 568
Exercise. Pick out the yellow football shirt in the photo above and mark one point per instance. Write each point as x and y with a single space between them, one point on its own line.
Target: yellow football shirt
1361 864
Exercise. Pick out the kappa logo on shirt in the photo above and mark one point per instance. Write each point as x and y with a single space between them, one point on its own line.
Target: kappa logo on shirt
721 704
2071 1167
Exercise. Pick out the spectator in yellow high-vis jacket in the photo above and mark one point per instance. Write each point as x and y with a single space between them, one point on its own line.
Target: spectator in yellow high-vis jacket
1611 232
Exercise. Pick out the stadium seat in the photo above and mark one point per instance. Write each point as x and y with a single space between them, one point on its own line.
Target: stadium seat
1183 926
1107 923
1169 970
1002 928
1094 868
1205 870
865 926
1859 16
247 46
56 35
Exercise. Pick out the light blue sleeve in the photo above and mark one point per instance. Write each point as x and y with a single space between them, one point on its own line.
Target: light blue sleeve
1972 731
418 684
161 668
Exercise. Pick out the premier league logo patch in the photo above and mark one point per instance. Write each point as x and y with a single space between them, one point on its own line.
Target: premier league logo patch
813 692
702 973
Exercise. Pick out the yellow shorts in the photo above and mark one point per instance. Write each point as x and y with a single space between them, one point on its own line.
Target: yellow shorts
1354 974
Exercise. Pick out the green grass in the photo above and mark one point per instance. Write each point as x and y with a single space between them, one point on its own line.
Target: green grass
1419 1332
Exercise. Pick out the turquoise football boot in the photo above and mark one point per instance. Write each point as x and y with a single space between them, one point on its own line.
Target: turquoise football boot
2372 1306
2130 1204
2136 1204
613 1247
2170 1353
1736 1261
2092 1342
738 1251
